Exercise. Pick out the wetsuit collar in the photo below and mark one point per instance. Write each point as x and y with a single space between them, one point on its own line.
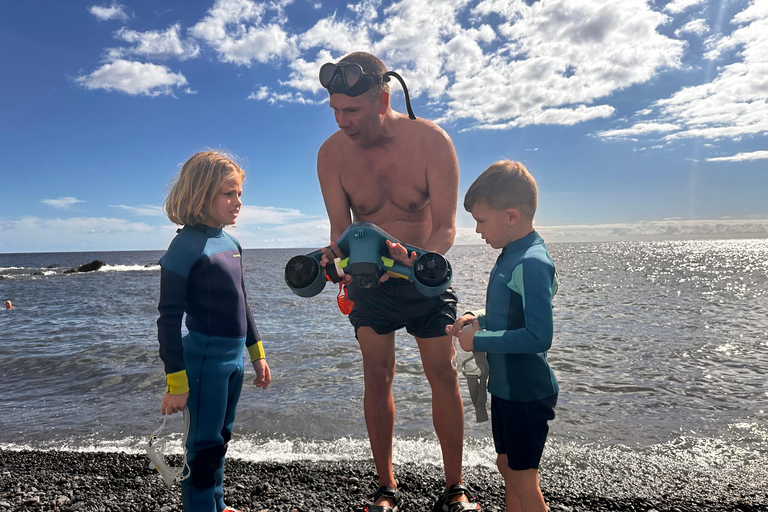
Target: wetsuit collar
209 231
523 243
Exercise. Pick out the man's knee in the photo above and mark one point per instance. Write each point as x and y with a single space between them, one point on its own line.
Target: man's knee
441 374
378 379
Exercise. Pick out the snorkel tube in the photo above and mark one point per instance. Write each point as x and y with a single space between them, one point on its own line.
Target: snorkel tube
385 79
365 245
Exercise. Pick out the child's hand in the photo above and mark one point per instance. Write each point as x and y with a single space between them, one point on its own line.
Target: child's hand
263 375
174 403
467 336
459 324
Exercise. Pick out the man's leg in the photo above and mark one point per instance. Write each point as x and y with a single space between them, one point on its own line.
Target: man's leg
447 409
378 371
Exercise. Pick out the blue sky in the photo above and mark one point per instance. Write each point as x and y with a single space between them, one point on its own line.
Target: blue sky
638 119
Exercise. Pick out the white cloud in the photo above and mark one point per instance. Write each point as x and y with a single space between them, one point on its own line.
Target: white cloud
259 215
672 229
62 203
31 234
735 103
543 63
144 209
133 78
236 30
678 6
697 27
113 12
666 229
741 157
264 93
155 44
638 129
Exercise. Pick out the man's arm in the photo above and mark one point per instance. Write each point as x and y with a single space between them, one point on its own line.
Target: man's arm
443 183
334 195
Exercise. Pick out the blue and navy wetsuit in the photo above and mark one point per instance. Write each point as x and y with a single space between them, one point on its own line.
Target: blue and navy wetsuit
202 276
517 322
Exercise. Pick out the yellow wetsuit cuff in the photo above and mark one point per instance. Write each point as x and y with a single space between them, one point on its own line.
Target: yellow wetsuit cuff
256 351
177 383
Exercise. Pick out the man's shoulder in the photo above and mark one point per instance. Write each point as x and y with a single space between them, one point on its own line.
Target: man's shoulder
421 128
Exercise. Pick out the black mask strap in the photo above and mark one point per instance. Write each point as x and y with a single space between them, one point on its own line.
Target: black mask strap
385 78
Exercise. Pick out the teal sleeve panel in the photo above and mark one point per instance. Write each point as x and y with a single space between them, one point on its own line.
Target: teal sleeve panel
480 315
534 281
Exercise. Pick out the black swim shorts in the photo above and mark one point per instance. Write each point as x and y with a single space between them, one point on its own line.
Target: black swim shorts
520 429
396 303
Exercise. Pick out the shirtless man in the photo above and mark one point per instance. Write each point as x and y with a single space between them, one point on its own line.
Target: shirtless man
402 175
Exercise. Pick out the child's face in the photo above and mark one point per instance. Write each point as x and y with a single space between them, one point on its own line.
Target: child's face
226 203
495 226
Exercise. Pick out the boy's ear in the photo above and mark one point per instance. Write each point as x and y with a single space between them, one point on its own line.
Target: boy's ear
513 216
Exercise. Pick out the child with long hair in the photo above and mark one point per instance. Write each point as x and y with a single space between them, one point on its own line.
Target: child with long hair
202 276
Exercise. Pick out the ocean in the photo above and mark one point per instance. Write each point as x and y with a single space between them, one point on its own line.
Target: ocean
660 348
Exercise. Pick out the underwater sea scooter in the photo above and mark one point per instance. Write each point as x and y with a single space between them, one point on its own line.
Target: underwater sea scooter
156 454
367 260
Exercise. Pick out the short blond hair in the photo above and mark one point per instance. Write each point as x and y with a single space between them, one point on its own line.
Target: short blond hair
192 190
505 184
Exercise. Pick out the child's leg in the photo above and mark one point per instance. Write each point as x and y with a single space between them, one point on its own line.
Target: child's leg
521 488
510 499
213 365
235 387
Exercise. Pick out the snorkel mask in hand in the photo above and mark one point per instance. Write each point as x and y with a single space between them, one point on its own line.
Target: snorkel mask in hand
349 78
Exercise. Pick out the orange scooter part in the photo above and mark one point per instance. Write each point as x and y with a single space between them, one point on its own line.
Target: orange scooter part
343 300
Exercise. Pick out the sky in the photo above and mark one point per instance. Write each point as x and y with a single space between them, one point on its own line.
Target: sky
638 119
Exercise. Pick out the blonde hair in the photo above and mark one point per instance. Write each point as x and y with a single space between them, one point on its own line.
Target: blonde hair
192 191
505 184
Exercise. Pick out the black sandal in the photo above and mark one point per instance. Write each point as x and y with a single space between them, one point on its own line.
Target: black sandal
444 504
385 492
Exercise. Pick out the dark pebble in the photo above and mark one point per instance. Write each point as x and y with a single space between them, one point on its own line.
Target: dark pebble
116 482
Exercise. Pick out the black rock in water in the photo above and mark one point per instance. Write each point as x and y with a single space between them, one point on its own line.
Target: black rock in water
54 265
90 267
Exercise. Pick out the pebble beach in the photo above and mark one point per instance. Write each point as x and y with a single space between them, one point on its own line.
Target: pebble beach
111 482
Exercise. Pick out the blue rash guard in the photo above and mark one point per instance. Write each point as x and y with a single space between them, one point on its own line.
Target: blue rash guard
517 322
202 275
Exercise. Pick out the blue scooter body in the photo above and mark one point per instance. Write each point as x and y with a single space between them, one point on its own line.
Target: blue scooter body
367 260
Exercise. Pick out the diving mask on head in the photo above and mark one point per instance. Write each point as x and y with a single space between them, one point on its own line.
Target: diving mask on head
349 78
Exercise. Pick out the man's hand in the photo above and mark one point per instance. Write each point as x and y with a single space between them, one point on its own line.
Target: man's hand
263 375
330 253
174 403
400 254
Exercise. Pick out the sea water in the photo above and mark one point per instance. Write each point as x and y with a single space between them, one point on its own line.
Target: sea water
660 348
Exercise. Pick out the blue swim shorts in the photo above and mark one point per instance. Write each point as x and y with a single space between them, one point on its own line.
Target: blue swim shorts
396 303
520 429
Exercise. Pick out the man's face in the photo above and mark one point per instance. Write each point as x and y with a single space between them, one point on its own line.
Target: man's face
357 117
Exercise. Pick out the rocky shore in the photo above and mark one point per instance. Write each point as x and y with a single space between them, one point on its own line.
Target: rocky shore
85 482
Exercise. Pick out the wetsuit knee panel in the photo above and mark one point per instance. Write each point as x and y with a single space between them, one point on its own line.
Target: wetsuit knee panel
207 462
